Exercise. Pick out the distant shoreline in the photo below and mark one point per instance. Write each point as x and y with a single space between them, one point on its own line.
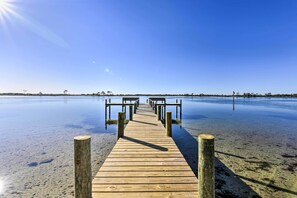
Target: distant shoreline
247 95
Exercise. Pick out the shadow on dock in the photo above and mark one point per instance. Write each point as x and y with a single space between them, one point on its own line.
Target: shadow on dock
227 183
154 146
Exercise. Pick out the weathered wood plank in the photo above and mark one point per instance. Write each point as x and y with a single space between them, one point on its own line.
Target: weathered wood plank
145 162
146 156
144 180
143 149
145 159
148 152
145 174
147 194
149 163
144 168
145 188
140 146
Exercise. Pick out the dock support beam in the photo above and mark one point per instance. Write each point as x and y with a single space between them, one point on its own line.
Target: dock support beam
82 167
135 107
109 109
159 112
206 168
180 110
105 109
131 112
176 109
121 124
169 124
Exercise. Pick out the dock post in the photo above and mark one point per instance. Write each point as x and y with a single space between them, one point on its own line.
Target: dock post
105 109
121 124
176 109
159 112
124 102
165 111
82 167
135 107
206 168
109 109
131 112
169 124
156 110
180 110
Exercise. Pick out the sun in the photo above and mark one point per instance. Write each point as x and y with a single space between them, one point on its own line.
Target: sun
3 6
6 7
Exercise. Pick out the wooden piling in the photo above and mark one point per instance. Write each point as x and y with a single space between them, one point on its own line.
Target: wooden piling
169 124
164 112
105 109
156 110
176 109
206 168
82 167
135 107
125 108
130 112
121 124
109 109
180 110
145 163
159 112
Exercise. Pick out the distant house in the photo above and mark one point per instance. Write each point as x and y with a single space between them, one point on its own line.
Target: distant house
66 92
103 93
109 92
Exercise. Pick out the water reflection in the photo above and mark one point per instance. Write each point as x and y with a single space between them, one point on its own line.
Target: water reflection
257 142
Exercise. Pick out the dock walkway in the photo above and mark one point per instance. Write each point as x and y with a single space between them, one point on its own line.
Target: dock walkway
145 163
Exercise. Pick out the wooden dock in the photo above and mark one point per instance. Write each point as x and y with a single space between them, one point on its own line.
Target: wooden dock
145 162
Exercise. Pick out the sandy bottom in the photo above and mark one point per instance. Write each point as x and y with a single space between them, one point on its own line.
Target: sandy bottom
251 163
247 164
42 166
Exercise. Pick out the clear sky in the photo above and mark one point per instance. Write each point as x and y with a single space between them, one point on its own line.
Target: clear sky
148 46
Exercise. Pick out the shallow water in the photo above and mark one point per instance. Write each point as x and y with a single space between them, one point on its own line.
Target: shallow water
257 140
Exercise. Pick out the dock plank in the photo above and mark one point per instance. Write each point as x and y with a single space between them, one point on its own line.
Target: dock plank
145 163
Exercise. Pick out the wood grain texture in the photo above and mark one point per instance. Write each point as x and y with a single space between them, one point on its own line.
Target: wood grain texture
145 162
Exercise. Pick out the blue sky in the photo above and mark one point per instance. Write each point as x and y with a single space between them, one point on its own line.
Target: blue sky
148 46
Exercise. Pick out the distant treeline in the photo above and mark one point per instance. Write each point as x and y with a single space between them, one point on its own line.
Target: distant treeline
245 95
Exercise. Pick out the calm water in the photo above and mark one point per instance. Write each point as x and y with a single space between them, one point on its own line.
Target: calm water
256 140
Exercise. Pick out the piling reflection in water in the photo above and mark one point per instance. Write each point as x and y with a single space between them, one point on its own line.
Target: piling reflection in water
233 101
